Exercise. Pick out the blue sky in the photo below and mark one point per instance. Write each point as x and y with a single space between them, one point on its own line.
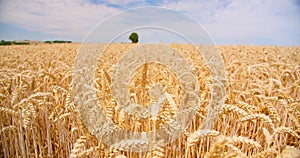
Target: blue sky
260 22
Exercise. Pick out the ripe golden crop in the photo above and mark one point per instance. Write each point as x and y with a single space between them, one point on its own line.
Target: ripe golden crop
260 117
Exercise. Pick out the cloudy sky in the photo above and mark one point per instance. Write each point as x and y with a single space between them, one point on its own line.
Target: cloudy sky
262 22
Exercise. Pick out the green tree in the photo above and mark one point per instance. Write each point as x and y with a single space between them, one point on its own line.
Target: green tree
134 37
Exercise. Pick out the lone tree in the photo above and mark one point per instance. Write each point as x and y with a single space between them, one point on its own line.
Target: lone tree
134 37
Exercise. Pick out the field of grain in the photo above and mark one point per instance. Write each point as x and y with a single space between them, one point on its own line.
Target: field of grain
260 117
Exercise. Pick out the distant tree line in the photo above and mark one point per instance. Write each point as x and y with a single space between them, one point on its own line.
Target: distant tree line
3 42
58 41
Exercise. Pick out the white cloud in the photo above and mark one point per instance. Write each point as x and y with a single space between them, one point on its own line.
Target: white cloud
122 2
246 21
73 18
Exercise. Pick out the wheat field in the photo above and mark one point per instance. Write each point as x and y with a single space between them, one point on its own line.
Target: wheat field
260 117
